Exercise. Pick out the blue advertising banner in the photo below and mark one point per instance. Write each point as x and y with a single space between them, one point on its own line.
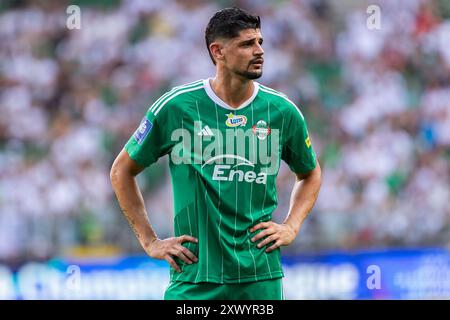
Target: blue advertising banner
387 274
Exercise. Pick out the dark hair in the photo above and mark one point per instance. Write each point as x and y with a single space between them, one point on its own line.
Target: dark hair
227 23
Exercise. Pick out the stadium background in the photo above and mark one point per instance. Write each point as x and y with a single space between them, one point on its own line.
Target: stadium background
378 109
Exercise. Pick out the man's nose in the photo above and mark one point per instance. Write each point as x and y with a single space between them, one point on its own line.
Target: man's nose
259 51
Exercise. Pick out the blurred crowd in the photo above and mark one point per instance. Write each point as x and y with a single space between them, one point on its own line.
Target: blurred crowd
377 102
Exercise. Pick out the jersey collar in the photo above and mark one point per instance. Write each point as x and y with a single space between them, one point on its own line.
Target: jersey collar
211 94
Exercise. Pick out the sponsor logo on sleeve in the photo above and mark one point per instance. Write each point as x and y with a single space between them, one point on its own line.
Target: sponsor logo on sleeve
308 142
143 130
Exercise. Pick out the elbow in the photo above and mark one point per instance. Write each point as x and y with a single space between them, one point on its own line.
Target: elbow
319 173
114 174
123 170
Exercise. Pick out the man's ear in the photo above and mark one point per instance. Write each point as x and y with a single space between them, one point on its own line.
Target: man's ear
216 49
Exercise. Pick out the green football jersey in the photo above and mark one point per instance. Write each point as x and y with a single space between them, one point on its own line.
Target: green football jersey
223 163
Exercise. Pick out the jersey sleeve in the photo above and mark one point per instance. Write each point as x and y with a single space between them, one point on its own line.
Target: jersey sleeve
297 150
152 139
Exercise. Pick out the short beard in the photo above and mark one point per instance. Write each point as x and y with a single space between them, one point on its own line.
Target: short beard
249 75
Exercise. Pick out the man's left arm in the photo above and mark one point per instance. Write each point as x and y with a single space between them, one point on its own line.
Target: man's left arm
303 198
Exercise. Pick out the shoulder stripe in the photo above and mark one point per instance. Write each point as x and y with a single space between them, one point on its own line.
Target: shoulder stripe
285 98
174 94
188 85
273 90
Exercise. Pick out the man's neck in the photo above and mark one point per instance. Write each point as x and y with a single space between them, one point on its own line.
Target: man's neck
232 90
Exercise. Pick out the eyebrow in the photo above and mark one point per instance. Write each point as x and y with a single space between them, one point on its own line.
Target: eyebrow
251 40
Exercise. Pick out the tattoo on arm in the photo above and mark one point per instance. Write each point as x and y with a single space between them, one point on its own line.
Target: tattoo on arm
131 223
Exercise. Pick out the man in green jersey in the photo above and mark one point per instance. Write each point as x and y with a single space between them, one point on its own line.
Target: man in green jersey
225 137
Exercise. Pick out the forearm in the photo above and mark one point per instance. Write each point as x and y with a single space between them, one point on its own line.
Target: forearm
303 197
132 204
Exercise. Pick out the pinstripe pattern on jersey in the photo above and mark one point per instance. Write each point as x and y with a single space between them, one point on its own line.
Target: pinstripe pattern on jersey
235 230
250 244
218 205
206 226
264 200
187 209
279 160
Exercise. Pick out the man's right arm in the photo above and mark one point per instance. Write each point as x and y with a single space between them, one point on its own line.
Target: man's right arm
123 179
